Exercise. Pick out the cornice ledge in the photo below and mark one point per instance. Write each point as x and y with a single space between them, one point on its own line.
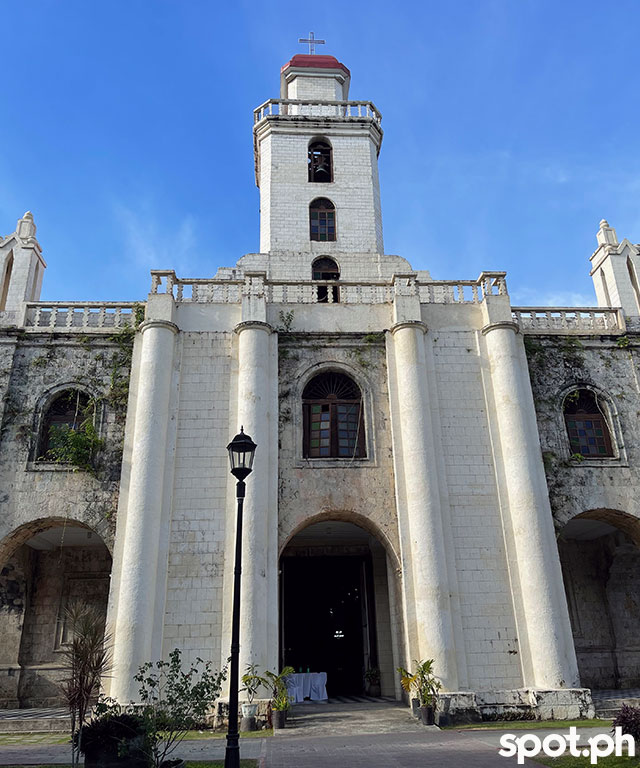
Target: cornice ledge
159 324
504 324
256 324
417 324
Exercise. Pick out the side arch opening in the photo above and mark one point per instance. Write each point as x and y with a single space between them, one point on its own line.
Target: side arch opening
45 567
600 558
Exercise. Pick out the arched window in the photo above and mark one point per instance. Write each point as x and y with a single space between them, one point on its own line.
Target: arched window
333 417
6 279
325 268
322 219
68 434
586 424
320 162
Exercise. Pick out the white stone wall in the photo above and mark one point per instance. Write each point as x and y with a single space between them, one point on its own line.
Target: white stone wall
285 192
486 610
193 615
318 87
296 265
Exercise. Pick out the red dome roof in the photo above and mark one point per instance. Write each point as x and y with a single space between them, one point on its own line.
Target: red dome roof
315 62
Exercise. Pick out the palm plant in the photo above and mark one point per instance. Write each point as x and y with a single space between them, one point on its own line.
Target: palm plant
88 659
280 699
423 683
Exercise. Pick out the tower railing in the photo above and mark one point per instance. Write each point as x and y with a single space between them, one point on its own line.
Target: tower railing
212 290
356 110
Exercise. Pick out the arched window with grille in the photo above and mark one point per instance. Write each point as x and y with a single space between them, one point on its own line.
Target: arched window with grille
587 427
333 417
322 220
325 268
320 162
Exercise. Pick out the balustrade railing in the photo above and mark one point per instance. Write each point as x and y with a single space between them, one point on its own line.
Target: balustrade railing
201 290
80 316
328 291
313 108
463 291
566 319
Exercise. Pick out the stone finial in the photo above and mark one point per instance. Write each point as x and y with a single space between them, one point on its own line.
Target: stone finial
606 234
26 226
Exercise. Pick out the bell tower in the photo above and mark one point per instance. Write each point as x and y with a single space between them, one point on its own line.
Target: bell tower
316 160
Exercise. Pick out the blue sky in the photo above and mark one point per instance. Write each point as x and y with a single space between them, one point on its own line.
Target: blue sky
511 128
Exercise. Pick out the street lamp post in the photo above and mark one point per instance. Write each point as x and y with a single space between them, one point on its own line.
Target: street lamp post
241 452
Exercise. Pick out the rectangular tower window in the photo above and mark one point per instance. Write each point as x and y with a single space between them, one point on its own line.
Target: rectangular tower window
323 225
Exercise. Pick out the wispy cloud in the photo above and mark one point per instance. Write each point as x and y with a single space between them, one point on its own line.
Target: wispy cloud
532 297
153 243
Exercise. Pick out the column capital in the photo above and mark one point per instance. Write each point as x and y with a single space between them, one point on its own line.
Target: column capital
256 324
504 324
417 324
159 324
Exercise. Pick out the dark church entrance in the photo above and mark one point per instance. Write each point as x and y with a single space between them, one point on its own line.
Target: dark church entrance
328 607
328 619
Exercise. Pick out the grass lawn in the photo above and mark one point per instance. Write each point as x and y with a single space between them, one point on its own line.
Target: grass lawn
583 762
222 734
531 725
190 764
23 739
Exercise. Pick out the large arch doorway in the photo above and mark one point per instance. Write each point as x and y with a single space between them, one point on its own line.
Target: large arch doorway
600 560
45 566
337 608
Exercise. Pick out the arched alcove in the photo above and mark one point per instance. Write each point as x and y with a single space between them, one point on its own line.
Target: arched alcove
600 561
44 567
339 606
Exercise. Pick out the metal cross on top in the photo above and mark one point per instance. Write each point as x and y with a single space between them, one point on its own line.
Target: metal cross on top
312 42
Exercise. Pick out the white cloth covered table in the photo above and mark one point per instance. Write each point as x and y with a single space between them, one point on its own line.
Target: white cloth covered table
307 685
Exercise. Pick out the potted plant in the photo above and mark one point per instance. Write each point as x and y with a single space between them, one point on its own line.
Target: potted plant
372 681
425 685
251 682
280 699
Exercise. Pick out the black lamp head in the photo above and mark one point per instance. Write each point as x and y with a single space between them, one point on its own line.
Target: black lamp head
241 449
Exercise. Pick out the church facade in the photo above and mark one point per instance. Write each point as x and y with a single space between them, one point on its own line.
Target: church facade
439 474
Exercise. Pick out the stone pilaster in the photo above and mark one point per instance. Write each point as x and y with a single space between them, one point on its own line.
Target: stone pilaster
133 624
258 414
533 554
427 591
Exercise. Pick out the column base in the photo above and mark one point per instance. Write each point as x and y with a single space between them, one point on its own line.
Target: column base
457 707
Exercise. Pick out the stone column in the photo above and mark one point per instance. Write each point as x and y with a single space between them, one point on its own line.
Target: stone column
426 544
257 382
134 621
544 612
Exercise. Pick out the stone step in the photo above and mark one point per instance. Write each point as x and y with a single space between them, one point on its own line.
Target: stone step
43 720
610 707
35 725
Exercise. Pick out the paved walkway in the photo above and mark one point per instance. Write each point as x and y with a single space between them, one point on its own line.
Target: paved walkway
381 735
